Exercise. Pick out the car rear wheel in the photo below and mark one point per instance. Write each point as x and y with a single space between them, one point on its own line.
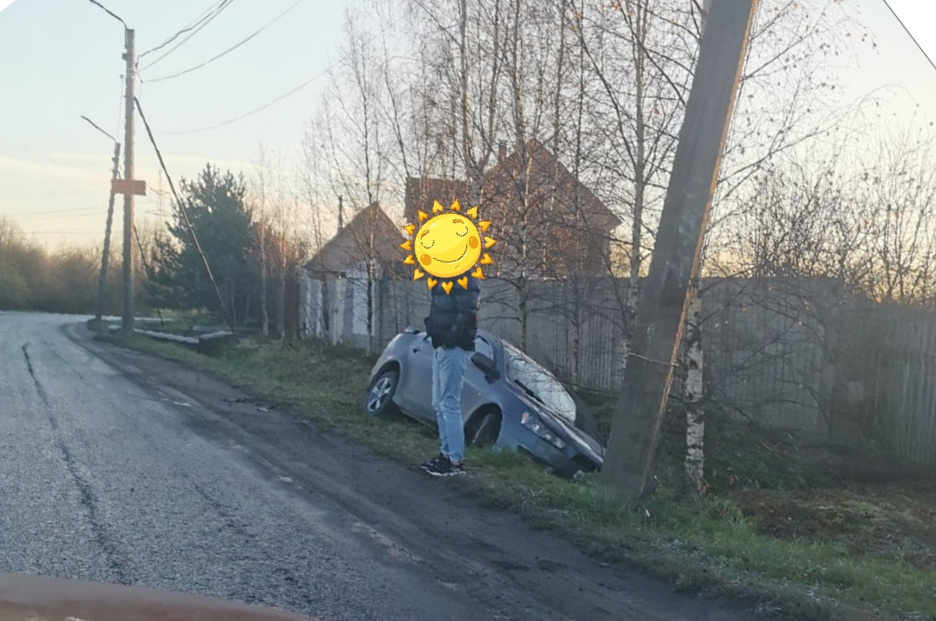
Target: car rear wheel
379 401
483 428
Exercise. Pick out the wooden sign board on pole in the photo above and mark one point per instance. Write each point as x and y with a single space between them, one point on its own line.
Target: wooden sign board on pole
128 186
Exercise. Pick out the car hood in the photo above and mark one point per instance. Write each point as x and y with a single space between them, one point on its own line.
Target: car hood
38 598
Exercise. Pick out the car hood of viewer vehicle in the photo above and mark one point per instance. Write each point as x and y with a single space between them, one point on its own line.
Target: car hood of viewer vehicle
25 597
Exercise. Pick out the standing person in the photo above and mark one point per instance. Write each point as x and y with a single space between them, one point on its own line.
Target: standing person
452 325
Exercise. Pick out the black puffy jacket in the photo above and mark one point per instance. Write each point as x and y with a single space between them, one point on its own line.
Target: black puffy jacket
453 317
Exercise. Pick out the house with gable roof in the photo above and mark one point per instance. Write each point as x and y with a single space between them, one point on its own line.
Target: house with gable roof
548 224
344 268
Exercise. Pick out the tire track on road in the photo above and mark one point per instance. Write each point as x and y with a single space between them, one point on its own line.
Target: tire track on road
119 573
32 374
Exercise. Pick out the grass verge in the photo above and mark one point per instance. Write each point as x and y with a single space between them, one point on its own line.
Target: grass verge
703 543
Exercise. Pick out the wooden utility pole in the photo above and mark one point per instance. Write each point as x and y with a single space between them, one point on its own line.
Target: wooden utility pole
105 258
661 315
129 113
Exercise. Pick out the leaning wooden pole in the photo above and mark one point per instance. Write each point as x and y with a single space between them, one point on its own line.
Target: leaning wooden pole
105 256
661 314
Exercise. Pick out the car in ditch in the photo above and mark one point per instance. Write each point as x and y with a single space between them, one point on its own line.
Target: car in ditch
509 401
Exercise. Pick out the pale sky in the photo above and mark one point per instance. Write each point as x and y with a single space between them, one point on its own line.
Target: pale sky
62 59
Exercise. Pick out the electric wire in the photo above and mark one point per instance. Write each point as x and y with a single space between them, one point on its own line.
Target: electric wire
230 49
255 110
36 214
225 4
120 107
277 99
188 27
72 233
194 31
185 218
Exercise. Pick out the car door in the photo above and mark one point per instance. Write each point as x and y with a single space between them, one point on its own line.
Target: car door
415 392
475 391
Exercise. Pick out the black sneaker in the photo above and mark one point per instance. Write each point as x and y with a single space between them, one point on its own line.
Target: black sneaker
455 469
445 468
434 462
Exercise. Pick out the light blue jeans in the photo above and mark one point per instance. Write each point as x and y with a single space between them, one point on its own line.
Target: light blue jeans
448 377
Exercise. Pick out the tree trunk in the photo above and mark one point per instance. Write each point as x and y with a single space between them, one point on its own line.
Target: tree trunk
264 314
693 390
281 307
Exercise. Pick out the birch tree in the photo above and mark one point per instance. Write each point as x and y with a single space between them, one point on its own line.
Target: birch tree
694 393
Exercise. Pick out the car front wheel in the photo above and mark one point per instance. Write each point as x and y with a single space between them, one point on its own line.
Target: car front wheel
483 429
379 400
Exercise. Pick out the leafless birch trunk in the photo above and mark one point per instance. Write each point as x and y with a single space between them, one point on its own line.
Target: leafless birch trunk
695 414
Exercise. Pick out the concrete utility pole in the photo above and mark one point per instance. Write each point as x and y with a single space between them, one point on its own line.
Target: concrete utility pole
105 258
130 57
661 315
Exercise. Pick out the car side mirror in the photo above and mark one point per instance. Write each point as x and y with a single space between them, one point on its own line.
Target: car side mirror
486 365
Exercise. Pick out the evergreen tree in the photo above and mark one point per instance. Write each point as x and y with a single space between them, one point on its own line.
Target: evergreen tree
224 226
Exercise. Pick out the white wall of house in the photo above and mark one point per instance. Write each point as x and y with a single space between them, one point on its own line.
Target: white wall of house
311 306
357 279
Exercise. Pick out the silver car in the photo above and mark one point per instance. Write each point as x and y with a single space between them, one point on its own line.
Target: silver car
508 401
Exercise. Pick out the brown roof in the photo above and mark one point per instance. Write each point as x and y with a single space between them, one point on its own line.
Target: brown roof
547 178
420 194
352 244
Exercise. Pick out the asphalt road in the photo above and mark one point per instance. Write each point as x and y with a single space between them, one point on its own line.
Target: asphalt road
124 468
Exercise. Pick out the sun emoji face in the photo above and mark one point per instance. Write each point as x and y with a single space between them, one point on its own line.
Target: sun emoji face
447 245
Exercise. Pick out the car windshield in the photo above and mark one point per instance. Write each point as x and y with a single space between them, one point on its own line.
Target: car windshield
540 382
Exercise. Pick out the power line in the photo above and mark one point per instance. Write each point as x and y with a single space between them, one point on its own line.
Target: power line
912 38
120 107
230 49
65 233
185 218
383 31
255 110
81 213
30 214
224 4
198 20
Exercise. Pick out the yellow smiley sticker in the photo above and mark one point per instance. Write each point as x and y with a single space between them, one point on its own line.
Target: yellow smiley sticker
447 245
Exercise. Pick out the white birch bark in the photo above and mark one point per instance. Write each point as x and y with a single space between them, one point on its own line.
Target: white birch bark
695 415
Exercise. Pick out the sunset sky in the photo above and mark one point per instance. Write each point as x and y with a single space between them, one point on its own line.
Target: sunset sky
62 60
